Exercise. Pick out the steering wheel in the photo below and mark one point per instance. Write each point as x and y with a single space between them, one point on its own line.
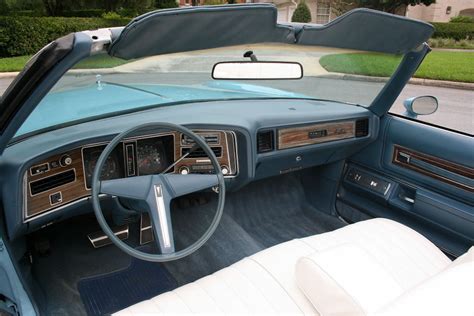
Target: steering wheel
153 194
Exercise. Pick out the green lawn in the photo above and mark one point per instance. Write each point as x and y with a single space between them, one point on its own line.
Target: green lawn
439 65
98 61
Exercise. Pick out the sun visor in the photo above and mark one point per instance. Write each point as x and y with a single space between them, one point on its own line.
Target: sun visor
368 30
195 28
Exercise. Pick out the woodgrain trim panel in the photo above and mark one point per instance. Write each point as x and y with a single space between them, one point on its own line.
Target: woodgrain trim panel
437 162
70 192
76 190
228 158
300 136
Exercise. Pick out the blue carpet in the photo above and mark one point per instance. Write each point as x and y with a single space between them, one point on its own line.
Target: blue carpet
111 292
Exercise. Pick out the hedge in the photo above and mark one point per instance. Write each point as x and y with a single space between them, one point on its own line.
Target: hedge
457 31
26 35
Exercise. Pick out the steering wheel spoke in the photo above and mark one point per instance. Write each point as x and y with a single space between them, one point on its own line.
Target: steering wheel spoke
136 188
160 216
180 185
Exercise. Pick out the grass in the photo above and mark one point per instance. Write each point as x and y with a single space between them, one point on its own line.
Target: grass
13 63
438 65
98 61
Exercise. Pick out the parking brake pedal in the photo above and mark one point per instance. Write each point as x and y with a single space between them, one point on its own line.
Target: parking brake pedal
146 231
100 239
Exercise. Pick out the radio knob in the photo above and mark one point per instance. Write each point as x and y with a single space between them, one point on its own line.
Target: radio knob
184 170
65 160
225 170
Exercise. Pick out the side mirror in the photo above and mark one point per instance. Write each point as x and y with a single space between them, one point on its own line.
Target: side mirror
423 105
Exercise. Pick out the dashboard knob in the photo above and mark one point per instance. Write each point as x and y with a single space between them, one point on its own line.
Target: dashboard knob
184 170
65 160
225 170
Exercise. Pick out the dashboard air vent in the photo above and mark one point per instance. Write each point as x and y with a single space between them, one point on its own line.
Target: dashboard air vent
362 128
199 153
264 141
52 182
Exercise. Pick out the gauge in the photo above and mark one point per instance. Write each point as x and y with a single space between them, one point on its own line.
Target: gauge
151 157
110 169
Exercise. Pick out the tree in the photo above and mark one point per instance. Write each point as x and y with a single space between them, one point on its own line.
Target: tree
55 7
302 13
111 5
339 7
164 4
391 6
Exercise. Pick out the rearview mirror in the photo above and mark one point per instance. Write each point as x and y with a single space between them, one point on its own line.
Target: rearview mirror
257 70
423 105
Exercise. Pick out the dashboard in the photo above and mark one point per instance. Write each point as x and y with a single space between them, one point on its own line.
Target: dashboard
66 177
47 178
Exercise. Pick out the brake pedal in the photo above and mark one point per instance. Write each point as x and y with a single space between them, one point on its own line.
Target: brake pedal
146 231
100 239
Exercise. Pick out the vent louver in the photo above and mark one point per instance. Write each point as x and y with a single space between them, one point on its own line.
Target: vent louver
264 141
362 128
199 153
52 182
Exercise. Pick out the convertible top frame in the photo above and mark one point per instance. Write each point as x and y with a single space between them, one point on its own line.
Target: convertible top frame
162 32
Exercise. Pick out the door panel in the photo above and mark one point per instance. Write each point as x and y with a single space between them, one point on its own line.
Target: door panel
420 175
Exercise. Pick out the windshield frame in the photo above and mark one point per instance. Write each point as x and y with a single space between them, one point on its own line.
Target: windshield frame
89 43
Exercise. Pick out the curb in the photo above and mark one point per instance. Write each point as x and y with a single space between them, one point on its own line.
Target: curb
415 81
331 75
8 75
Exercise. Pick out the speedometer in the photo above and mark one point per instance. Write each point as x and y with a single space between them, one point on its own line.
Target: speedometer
151 157
110 170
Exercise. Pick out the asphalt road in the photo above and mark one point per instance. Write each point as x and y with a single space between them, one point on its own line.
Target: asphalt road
456 106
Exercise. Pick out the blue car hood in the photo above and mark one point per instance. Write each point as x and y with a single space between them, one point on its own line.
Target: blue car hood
92 100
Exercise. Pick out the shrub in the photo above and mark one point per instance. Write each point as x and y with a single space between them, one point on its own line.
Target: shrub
462 19
302 13
457 31
84 13
26 35
111 16
165 4
450 43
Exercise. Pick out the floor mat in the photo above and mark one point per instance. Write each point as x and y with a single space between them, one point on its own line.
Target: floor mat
109 293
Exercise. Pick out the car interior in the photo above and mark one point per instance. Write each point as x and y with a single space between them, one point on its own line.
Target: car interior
235 205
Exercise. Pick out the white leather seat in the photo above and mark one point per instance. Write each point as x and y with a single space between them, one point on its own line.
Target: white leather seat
265 283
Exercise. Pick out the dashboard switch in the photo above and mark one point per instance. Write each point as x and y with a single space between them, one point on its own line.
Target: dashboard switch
55 198
39 169
225 170
65 160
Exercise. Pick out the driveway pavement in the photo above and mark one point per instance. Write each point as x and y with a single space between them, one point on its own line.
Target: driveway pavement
455 110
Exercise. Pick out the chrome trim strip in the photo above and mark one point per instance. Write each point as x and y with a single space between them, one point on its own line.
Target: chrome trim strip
104 237
27 219
160 205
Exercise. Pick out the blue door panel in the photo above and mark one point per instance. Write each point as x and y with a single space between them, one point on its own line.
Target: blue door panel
423 195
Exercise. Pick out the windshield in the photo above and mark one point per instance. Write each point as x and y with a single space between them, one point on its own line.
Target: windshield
105 85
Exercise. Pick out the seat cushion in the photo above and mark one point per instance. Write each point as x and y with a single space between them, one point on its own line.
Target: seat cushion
265 282
345 280
447 293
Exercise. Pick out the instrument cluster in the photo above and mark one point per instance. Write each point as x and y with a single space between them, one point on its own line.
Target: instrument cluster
133 157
